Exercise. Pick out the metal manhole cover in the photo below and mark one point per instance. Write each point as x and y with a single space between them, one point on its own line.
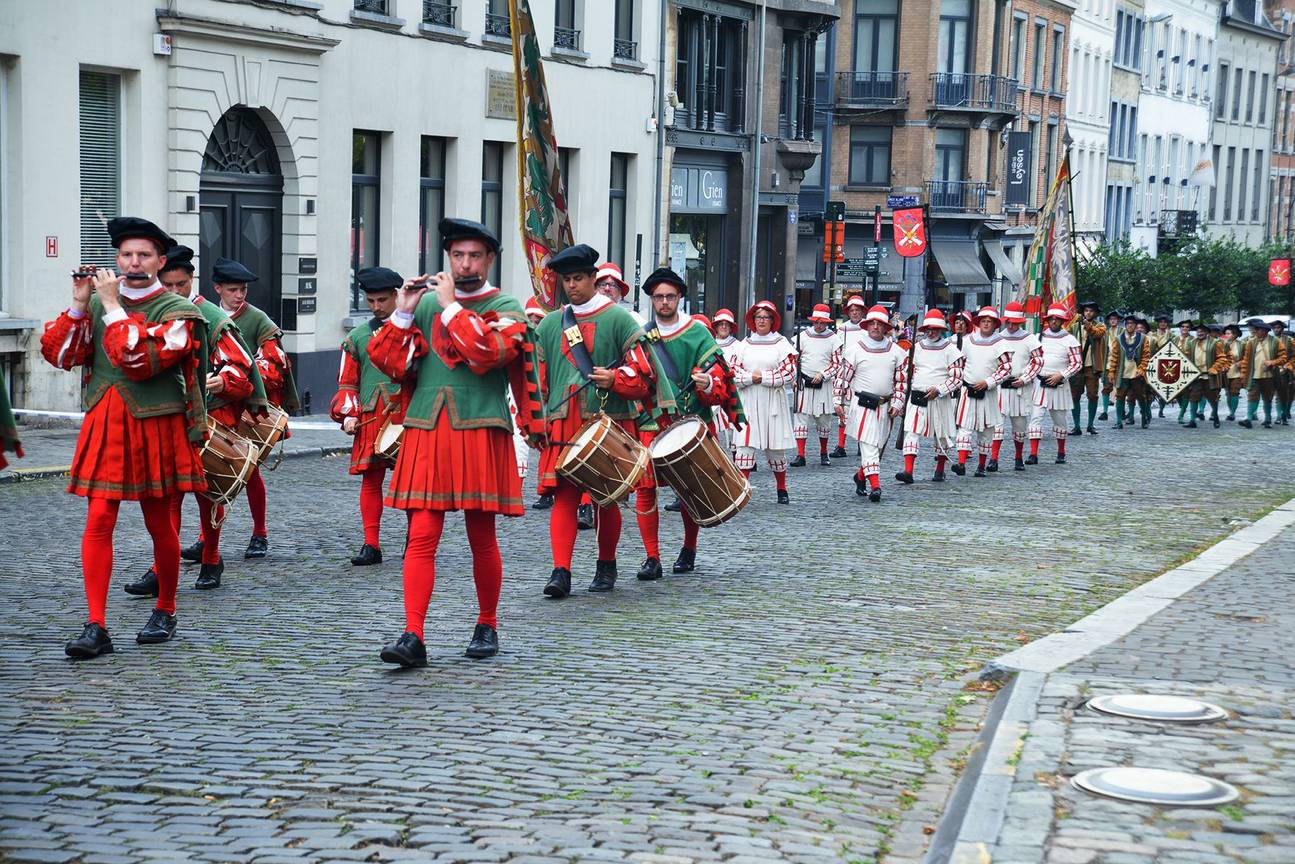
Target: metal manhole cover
1169 709
1155 786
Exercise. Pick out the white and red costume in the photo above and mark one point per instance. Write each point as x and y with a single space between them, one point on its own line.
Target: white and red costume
1016 402
768 414
1061 356
988 361
724 430
937 364
814 400
873 371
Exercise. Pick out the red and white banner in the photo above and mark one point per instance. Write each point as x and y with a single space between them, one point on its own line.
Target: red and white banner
910 232
1279 271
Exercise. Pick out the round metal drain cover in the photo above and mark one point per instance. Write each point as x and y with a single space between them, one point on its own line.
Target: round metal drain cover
1155 786
1169 709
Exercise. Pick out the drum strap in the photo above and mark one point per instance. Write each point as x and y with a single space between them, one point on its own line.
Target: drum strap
663 356
576 343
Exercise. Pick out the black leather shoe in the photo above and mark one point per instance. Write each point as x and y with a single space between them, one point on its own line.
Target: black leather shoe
92 642
406 651
368 556
1092 431
1231 417
1102 416
1119 425
860 485
992 466
674 506
604 577
837 453
1191 425
1267 425
798 462
1215 422
1245 424
584 517
485 642
257 547
1076 431
1061 459
651 570
192 553
937 477
145 586
824 461
874 495
1032 459
959 469
1146 423
904 477
209 576
1018 465
544 502
160 627
783 497
559 584
686 562
980 472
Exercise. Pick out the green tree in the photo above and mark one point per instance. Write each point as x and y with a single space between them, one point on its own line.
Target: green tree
1109 273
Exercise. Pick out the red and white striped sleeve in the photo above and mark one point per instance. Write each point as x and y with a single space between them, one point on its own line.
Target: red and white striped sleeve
482 342
1033 366
68 340
142 349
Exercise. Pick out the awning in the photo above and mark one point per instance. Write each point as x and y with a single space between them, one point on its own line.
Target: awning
1002 262
959 261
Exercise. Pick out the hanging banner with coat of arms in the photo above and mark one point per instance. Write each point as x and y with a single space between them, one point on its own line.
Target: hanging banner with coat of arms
1170 372
910 232
545 225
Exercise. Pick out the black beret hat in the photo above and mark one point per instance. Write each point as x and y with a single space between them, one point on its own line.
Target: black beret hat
664 276
379 279
177 258
1091 304
228 270
127 227
580 258
466 229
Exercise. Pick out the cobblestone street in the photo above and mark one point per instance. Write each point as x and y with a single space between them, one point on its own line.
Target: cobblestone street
801 697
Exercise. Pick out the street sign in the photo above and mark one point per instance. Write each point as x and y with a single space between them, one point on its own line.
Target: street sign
872 260
835 211
900 202
853 270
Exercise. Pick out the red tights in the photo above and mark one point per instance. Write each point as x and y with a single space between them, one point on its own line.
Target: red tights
562 526
256 503
208 513
425 527
96 552
371 503
649 519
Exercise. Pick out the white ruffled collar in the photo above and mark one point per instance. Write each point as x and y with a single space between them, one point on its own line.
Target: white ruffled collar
593 304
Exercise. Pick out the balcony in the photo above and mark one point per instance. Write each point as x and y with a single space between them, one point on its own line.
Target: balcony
956 196
871 90
625 49
991 96
566 37
438 14
373 7
499 25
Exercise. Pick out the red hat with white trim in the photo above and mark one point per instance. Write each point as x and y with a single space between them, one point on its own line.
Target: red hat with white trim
987 312
855 300
878 313
705 322
1013 312
768 306
533 307
611 271
725 315
821 313
934 318
1056 310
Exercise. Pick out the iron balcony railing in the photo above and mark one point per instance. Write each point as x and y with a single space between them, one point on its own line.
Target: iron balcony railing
971 92
871 89
625 49
963 196
498 25
566 37
377 7
438 14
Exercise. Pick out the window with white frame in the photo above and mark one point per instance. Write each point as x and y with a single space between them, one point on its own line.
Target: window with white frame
100 136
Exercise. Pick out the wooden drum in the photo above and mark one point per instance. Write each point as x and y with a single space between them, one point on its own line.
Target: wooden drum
387 443
691 460
228 460
264 430
604 461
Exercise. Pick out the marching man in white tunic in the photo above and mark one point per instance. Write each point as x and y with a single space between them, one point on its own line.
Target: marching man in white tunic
989 362
815 347
1061 360
850 331
1016 394
937 376
763 364
870 379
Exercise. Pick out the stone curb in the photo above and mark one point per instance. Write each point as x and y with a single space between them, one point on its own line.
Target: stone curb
23 475
969 828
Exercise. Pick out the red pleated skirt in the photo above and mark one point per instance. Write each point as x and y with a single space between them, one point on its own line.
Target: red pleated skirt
126 458
456 469
366 436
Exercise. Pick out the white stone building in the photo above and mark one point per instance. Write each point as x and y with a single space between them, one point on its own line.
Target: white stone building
1244 113
1174 120
1088 114
305 138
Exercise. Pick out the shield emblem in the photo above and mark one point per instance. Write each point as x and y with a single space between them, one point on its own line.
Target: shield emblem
1169 371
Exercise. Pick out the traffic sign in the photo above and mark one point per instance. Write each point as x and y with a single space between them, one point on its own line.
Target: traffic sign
852 270
835 211
901 202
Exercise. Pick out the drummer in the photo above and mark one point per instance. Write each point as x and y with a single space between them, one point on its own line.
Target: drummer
233 385
230 280
366 398
592 340
459 347
144 420
686 354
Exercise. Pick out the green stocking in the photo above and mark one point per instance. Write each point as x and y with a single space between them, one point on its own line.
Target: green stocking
1092 412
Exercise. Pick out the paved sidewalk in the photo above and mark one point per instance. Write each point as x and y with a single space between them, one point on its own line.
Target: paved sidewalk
1228 641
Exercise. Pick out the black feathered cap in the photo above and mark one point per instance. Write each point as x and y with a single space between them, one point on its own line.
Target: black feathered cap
128 227
664 276
580 258
227 270
379 279
178 258
466 229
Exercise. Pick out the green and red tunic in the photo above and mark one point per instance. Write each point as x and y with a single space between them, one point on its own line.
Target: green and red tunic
364 392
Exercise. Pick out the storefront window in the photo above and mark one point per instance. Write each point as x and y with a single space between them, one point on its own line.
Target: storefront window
697 252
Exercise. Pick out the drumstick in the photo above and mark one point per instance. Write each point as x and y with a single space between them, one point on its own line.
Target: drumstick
570 396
